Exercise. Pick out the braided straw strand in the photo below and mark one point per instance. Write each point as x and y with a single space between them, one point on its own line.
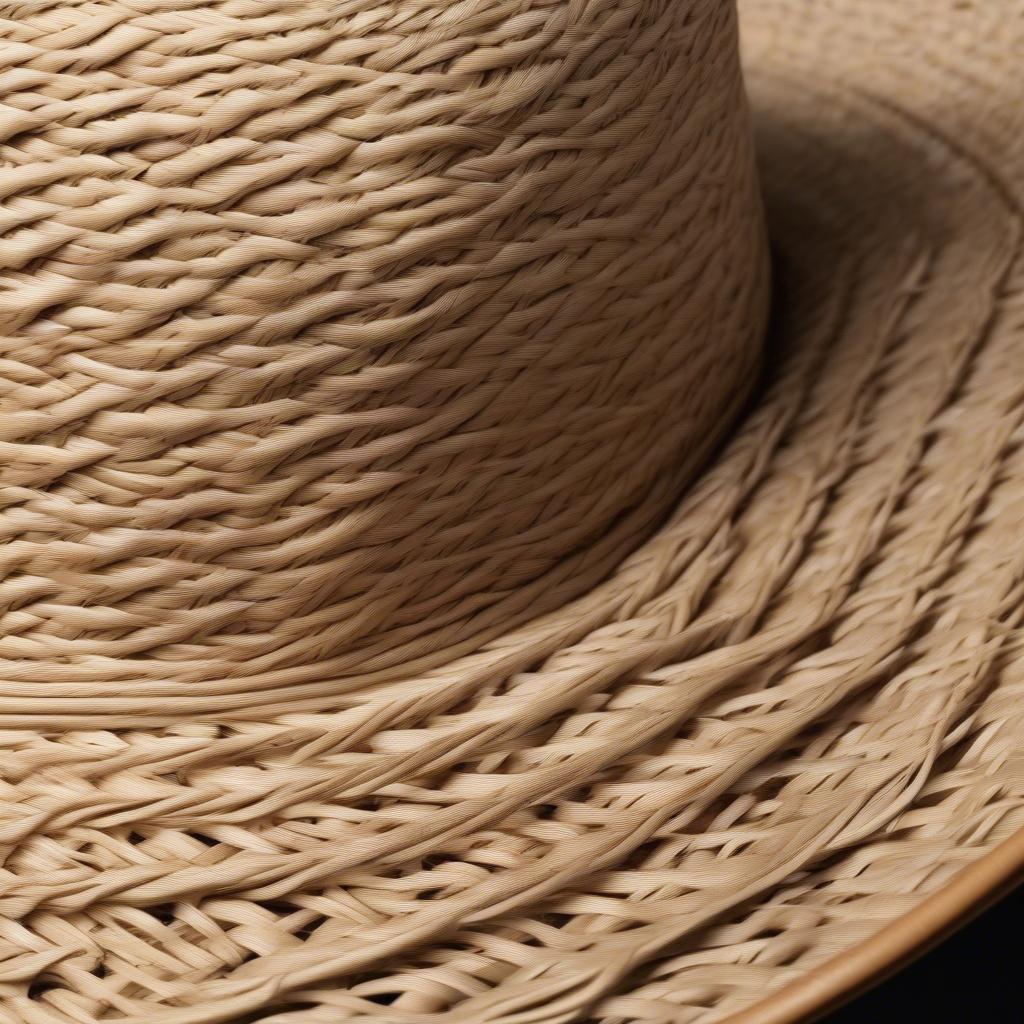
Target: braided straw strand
337 343
408 615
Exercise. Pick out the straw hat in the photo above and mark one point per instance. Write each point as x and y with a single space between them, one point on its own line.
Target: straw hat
428 593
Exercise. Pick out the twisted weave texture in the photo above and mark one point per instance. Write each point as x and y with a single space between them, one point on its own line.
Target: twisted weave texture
341 334
782 720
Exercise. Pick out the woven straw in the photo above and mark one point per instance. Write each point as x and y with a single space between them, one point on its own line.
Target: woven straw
368 650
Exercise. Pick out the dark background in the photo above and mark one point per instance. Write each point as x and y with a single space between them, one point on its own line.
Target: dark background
974 977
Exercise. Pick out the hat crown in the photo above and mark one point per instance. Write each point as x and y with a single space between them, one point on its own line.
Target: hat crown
372 337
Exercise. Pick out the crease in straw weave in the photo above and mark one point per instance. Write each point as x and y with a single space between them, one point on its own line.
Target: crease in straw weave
369 650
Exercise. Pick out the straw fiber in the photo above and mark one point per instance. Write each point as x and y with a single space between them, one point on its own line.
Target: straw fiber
369 649
341 337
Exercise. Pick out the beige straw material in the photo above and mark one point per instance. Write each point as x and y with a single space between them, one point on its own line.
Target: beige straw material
363 656
341 337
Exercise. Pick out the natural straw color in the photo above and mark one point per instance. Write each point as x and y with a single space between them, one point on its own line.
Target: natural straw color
350 353
340 337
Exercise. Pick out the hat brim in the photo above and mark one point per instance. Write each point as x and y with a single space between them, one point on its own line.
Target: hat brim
788 720
917 137
974 889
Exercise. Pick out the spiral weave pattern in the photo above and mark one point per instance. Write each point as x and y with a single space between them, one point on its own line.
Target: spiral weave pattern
345 676
341 335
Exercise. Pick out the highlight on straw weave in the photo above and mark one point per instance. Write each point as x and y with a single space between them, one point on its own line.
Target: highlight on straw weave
347 334
369 650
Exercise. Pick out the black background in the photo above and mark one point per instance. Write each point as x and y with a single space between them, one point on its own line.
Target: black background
974 977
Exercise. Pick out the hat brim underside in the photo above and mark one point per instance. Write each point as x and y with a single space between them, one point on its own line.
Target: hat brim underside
786 721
